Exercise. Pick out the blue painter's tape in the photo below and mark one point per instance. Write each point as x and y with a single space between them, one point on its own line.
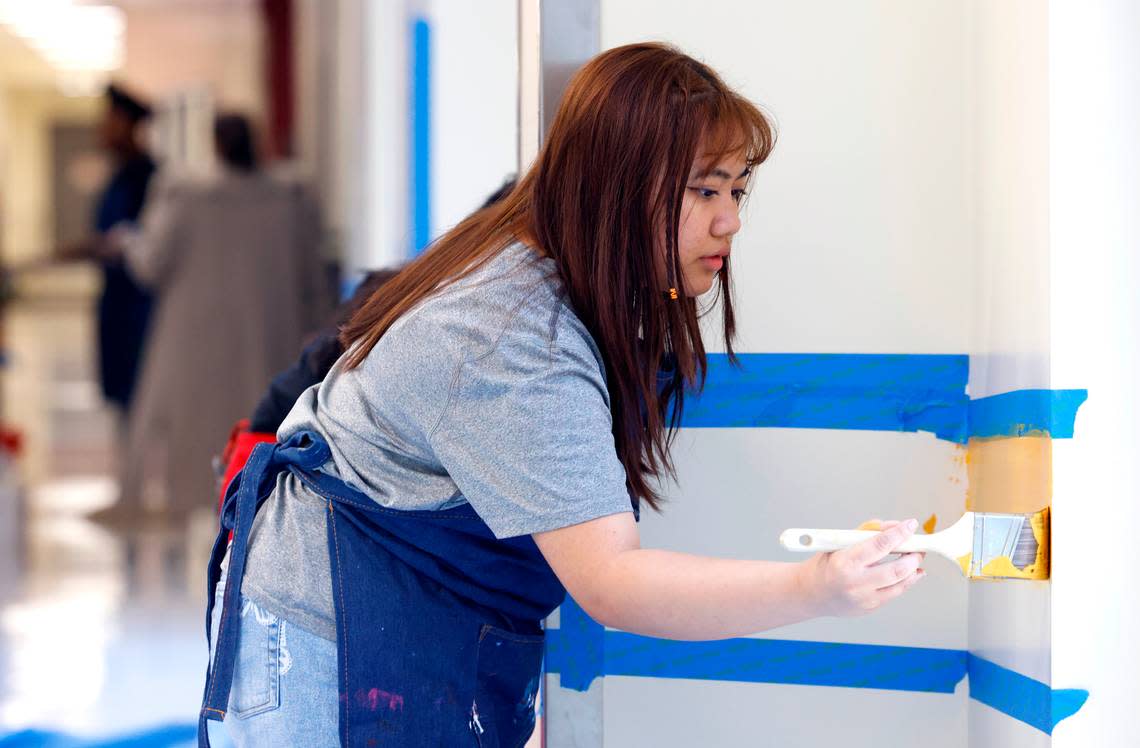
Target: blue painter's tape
166 736
835 391
420 107
348 286
764 661
576 647
1025 412
581 650
871 392
1020 696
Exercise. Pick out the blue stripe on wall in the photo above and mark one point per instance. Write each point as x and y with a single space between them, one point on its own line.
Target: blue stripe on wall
766 661
420 136
871 392
835 391
1023 412
166 736
1020 696
581 650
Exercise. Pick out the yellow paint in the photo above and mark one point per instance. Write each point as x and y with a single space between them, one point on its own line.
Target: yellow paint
964 562
1009 474
875 525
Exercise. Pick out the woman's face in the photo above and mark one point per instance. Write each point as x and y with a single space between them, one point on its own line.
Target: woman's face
710 217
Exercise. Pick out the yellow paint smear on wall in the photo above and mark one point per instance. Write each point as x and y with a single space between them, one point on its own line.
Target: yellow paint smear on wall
1012 475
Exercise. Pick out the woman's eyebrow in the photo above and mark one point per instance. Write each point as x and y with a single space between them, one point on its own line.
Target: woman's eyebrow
722 174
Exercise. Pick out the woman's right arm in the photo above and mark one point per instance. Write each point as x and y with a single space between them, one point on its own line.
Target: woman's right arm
683 596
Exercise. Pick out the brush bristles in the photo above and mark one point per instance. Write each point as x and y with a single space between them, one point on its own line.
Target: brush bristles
1025 553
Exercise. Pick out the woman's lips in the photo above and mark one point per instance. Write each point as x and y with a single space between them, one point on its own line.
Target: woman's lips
713 262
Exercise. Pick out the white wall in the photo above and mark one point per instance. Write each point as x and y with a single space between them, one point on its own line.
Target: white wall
383 135
861 211
857 239
473 117
1009 163
474 138
1094 149
1007 56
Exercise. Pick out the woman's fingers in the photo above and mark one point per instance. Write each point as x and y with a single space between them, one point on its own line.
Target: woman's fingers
890 593
892 572
875 549
865 576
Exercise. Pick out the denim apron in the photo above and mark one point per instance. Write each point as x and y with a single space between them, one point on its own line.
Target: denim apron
439 641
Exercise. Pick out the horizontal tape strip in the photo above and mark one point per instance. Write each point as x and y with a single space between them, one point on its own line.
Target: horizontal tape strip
802 663
165 736
1027 412
871 392
582 650
1020 696
834 391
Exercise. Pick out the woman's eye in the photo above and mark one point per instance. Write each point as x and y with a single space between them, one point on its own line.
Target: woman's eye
704 192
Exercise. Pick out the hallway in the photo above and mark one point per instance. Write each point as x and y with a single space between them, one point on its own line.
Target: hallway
101 633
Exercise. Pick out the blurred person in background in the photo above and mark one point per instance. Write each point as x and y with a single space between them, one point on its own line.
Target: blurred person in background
314 363
235 264
124 305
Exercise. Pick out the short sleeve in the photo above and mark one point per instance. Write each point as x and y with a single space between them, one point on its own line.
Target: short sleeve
527 432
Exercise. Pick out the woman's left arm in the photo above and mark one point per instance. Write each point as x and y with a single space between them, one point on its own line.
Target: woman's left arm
685 596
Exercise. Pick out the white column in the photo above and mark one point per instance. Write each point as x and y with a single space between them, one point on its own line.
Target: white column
385 134
555 38
1094 121
1008 127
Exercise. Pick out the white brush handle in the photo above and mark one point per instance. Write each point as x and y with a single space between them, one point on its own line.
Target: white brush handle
815 540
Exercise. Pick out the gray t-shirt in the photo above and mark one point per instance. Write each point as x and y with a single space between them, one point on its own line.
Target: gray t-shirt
491 392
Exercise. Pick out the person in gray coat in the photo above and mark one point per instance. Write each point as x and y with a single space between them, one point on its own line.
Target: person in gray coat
235 265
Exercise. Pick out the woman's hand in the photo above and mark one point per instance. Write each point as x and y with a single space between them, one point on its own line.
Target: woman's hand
860 579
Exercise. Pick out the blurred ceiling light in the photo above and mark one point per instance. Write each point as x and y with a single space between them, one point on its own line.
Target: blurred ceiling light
83 42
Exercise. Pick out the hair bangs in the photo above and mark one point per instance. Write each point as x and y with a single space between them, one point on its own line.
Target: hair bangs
734 126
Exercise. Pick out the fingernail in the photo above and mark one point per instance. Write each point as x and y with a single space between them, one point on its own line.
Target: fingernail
912 524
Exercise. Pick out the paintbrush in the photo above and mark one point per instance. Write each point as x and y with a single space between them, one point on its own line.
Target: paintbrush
985 545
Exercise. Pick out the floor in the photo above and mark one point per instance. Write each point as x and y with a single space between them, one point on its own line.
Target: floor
101 631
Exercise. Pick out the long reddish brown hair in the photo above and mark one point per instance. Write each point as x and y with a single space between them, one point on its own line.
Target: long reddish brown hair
607 185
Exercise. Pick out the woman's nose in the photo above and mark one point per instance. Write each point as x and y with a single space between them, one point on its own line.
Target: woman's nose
727 222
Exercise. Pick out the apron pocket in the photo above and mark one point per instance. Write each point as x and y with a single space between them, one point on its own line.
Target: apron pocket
256 686
506 686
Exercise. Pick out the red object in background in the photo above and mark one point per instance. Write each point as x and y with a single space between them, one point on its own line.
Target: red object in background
278 18
237 452
11 441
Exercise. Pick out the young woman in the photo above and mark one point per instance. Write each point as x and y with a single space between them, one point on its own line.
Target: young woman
483 445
